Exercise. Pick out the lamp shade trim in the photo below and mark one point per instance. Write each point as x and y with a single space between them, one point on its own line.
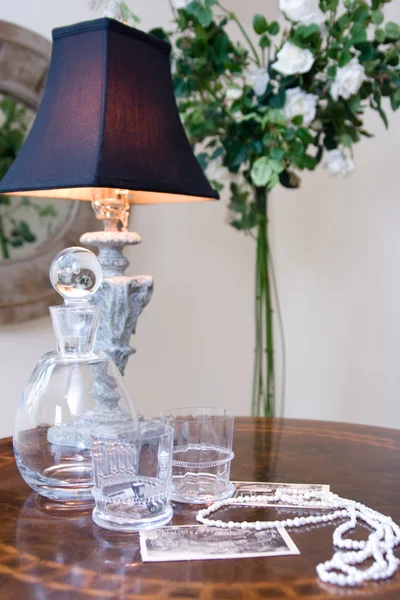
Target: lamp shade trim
111 25
113 183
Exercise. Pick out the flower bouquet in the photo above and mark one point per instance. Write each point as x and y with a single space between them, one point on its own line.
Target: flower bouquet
263 106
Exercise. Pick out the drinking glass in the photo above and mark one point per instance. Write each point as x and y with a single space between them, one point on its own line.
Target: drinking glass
202 453
132 470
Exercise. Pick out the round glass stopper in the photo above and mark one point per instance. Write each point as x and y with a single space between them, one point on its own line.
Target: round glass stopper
75 273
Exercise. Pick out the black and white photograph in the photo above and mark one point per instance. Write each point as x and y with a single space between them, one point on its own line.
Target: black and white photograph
255 488
194 542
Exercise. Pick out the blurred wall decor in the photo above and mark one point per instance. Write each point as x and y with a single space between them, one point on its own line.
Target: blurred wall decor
31 233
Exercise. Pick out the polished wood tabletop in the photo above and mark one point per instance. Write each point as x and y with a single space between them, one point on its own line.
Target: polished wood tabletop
52 552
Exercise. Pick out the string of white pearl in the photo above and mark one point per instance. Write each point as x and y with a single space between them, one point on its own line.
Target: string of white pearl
340 569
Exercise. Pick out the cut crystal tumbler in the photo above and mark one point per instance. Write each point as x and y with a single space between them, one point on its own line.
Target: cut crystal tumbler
202 453
132 476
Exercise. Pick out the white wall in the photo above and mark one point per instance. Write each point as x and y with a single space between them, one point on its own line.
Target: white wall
337 255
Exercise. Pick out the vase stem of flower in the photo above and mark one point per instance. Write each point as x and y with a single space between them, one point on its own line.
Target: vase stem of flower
263 402
3 240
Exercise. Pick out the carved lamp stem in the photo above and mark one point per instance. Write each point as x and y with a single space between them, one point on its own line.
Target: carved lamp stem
122 298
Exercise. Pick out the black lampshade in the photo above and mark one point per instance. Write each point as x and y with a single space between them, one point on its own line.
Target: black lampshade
108 119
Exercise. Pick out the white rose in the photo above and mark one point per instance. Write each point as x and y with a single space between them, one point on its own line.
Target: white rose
348 80
258 79
293 60
301 11
216 171
338 163
298 102
233 93
181 3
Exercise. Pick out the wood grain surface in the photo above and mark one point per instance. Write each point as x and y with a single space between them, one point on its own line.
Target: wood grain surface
50 552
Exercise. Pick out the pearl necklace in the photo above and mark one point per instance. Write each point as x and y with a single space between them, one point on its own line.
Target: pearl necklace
340 569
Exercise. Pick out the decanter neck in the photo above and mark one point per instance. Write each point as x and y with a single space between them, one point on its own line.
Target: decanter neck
75 328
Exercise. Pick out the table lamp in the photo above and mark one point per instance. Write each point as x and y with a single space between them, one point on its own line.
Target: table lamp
108 131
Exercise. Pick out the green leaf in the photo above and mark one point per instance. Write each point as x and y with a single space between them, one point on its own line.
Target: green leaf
306 162
205 17
361 14
194 7
354 102
265 172
346 140
277 166
298 120
395 100
393 60
319 154
256 146
358 33
367 52
332 70
366 133
261 172
377 17
240 158
380 36
305 136
279 99
217 153
289 134
306 31
330 141
273 28
260 24
383 116
376 105
158 32
273 116
203 159
264 41
371 65
327 5
345 58
202 12
273 181
127 14
253 116
392 30
277 154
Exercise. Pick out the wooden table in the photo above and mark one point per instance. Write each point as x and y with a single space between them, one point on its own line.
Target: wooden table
49 553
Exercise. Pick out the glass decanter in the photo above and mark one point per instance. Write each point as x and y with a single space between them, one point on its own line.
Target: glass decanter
71 391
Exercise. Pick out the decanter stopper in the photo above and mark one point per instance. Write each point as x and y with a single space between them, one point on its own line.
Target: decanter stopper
75 273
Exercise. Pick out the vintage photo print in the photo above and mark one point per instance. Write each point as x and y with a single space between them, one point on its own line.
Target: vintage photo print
255 488
194 542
